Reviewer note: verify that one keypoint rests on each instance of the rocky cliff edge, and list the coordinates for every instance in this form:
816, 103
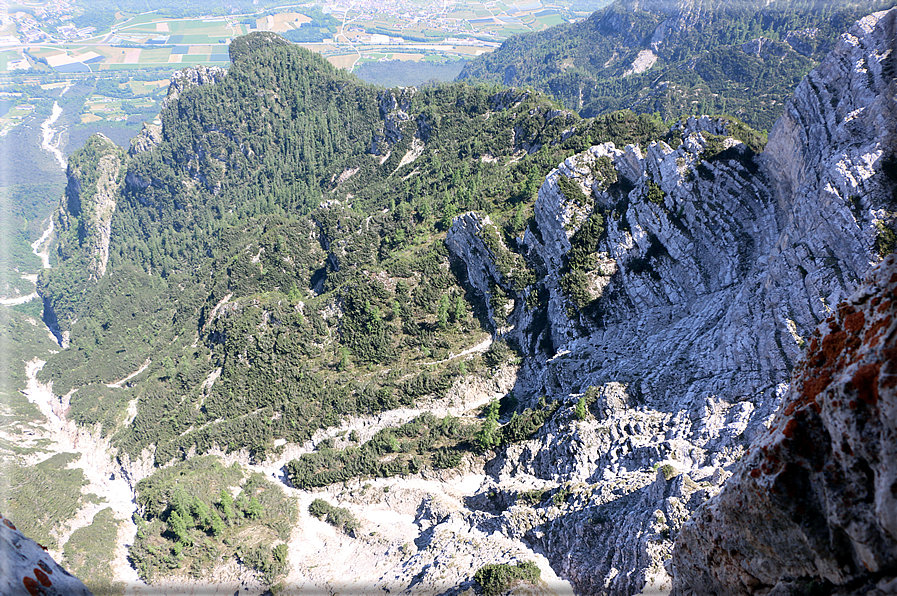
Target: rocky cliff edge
673, 289
27, 570
813, 504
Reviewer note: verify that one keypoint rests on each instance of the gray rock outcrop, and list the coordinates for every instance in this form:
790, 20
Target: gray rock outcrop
679, 314
149, 137
91, 199
187, 78
27, 570
813, 504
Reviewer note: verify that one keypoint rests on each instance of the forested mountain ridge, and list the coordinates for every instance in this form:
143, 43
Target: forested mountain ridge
270, 263
308, 293
330, 184
741, 58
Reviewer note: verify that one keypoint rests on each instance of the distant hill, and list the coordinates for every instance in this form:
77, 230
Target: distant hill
687, 57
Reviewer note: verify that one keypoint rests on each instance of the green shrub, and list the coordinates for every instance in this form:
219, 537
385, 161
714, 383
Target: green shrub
437, 440
495, 579
523, 426
487, 436
533, 497
90, 551
188, 520
497, 354
885, 240
584, 242
608, 173
270, 563
572, 191
669, 471
581, 409
576, 288
338, 517
655, 193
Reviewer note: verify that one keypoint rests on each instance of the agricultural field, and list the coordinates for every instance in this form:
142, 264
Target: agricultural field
340, 31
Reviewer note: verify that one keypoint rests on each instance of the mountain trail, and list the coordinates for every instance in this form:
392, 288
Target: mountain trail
120, 383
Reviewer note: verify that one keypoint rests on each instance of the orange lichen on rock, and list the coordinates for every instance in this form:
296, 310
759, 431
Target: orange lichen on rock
865, 380
815, 385
855, 322
27, 569
833, 345
42, 577
32, 586
789, 428
822, 470
872, 334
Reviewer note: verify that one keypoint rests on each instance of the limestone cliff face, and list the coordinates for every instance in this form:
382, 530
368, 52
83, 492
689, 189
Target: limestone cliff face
814, 501
83, 221
93, 184
27, 570
684, 317
149, 137
191, 77
394, 108
478, 240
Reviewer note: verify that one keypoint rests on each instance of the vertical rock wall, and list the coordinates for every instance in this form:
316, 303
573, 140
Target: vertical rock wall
713, 270
813, 504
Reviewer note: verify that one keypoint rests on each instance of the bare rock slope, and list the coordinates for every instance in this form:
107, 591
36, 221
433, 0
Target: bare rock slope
681, 286
813, 505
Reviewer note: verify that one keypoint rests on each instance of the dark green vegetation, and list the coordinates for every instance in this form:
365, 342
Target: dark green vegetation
198, 514
277, 236
426, 441
24, 210
89, 553
338, 517
702, 65
495, 579
30, 184
277, 263
23, 337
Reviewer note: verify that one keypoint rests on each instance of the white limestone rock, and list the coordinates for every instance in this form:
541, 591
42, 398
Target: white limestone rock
194, 76
714, 287
813, 502
27, 570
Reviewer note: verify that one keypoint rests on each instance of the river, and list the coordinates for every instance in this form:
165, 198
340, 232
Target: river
50, 138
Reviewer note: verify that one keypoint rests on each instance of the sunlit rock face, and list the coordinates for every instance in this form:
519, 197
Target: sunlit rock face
27, 570
814, 501
697, 300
